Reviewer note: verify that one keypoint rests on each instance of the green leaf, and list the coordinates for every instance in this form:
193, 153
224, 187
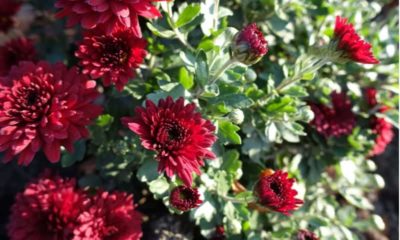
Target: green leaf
185, 78
148, 171
228, 131
223, 184
231, 161
355, 197
68, 159
233, 100
245, 196
201, 67
160, 31
278, 104
159, 187
188, 15
104, 120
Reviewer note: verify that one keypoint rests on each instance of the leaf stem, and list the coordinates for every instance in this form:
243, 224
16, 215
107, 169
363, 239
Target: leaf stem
178, 34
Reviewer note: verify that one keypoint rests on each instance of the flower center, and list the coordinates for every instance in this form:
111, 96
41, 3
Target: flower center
171, 135
115, 52
30, 102
276, 187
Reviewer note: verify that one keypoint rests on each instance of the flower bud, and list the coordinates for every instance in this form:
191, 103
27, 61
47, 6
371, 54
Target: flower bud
185, 198
249, 45
306, 235
236, 116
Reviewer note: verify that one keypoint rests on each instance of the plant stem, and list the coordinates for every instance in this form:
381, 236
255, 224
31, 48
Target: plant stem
220, 71
216, 10
178, 34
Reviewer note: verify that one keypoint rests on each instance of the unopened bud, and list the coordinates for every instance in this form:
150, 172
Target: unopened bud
236, 116
249, 45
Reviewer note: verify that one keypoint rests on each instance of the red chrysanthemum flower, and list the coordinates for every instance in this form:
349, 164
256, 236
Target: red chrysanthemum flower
110, 216
380, 127
335, 121
46, 210
107, 15
44, 107
15, 51
112, 57
275, 191
249, 45
219, 233
180, 136
7, 11
350, 43
184, 198
306, 235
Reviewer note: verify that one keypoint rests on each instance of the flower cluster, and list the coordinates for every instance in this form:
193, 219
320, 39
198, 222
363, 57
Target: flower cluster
335, 121
179, 135
380, 127
53, 208
274, 190
44, 106
349, 43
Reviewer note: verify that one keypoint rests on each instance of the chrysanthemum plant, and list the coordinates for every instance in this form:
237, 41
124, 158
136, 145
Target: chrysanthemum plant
258, 118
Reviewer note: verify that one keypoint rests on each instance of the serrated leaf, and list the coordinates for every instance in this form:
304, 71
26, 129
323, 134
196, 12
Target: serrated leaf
228, 131
233, 100
159, 187
188, 15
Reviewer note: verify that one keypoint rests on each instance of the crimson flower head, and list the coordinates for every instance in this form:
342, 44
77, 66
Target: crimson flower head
380, 127
46, 210
350, 43
219, 233
112, 57
110, 216
306, 235
15, 51
44, 107
185, 198
7, 11
249, 45
275, 191
335, 121
107, 15
179, 135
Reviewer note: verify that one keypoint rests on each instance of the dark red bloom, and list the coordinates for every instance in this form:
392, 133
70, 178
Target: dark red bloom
219, 233
249, 45
380, 127
46, 210
180, 136
112, 57
107, 15
276, 192
110, 216
335, 121
45, 107
15, 51
184, 198
350, 43
306, 235
7, 11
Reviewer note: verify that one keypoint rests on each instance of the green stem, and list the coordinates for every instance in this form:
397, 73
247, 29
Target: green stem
218, 74
216, 10
178, 34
